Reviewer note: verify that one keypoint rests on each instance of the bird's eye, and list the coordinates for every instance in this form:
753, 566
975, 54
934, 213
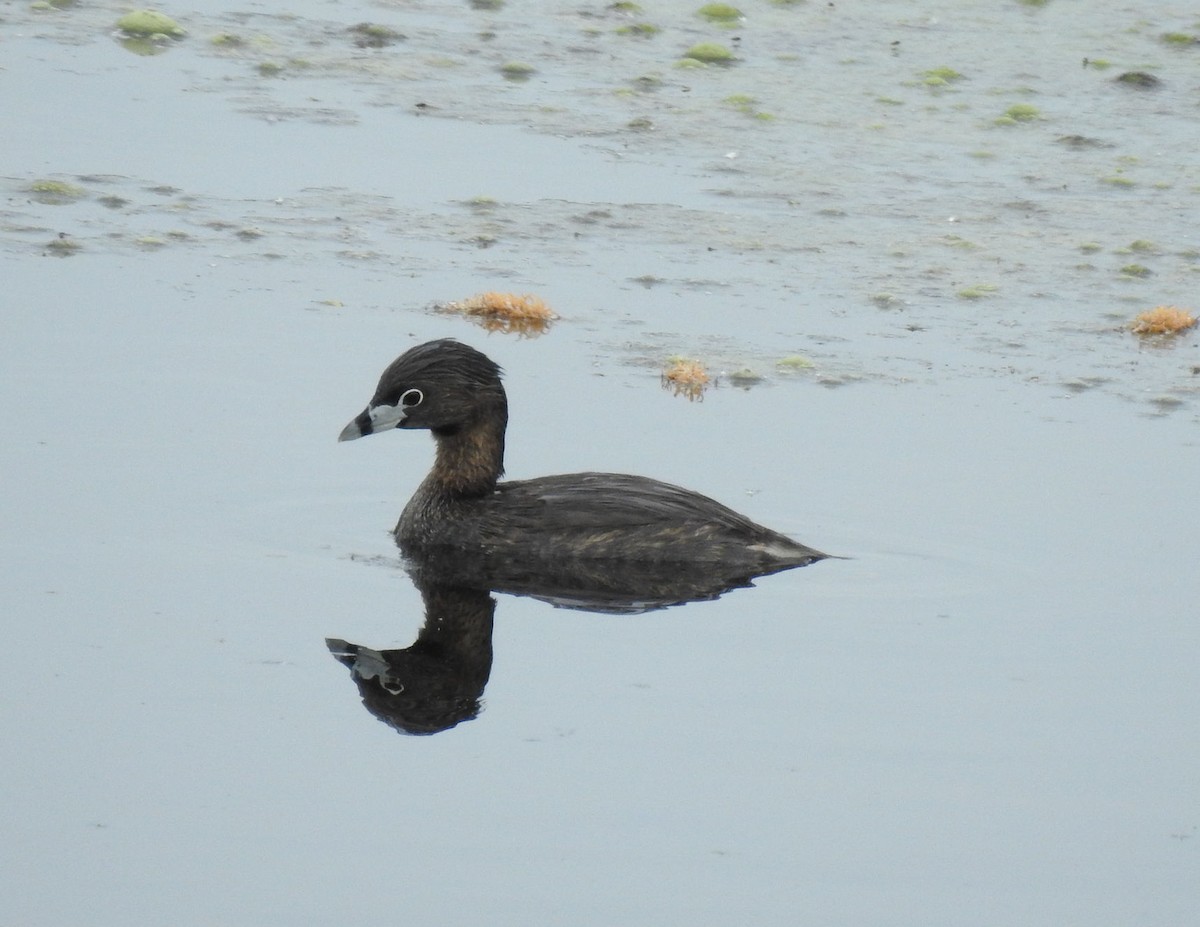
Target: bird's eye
411, 397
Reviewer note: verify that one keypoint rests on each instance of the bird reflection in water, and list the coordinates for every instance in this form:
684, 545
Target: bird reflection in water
438, 681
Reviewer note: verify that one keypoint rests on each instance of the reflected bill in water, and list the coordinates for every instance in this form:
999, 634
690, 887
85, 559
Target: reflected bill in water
437, 682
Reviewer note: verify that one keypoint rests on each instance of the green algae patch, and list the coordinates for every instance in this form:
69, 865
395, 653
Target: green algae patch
709, 53
1136, 270
746, 104
940, 77
517, 70
374, 35
639, 30
745, 378
719, 13
145, 24
482, 203
1019, 112
63, 245
56, 192
979, 291
1180, 39
794, 363
273, 68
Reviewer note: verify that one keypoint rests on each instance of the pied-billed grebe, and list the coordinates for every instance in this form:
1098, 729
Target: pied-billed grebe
455, 392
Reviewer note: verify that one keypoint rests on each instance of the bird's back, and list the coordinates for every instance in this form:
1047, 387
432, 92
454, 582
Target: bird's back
598, 515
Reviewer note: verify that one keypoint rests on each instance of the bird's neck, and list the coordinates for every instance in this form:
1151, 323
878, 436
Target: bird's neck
470, 459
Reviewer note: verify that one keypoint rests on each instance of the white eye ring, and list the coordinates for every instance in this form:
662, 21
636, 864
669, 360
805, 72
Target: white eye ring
411, 397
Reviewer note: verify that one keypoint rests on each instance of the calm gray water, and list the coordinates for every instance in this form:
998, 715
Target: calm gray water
987, 716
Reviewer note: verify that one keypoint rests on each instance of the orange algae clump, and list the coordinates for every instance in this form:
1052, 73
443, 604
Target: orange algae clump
506, 312
1163, 320
686, 378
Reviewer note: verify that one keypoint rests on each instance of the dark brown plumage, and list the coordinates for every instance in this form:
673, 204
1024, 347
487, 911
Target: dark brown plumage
455, 392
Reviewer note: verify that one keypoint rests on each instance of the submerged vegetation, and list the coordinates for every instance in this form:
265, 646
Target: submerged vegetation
978, 291
374, 35
1139, 79
517, 70
726, 109
63, 245
641, 30
1181, 39
744, 103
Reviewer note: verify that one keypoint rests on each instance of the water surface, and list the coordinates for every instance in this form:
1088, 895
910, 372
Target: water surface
986, 715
